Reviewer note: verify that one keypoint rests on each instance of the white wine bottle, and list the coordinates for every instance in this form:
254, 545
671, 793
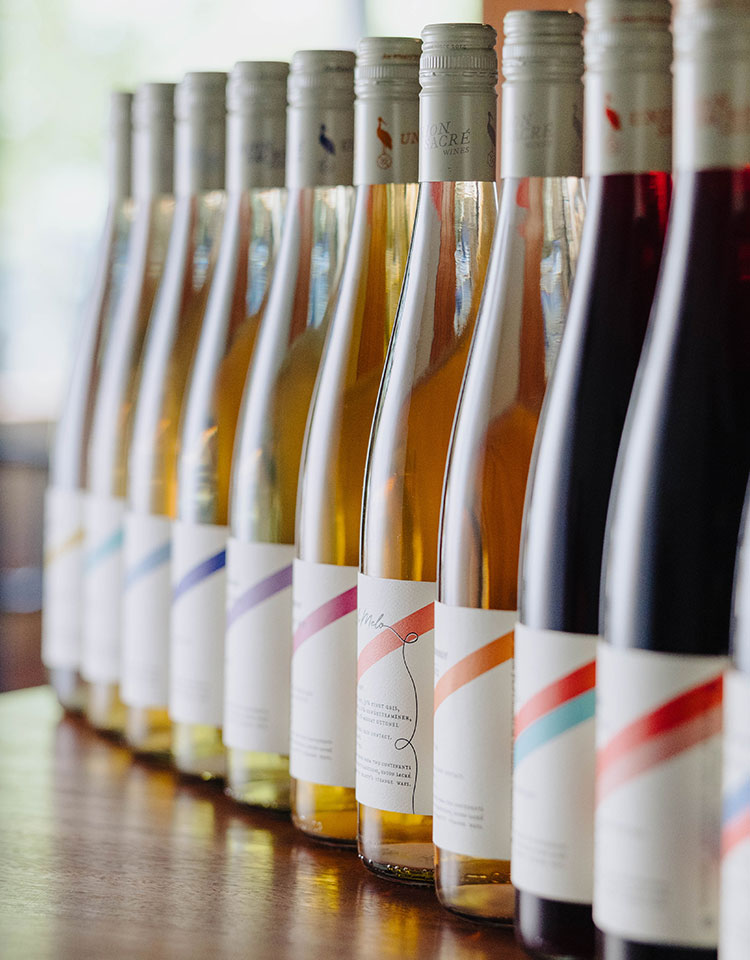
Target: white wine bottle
518, 332
63, 507
268, 445
445, 272
329, 506
104, 507
256, 101
173, 333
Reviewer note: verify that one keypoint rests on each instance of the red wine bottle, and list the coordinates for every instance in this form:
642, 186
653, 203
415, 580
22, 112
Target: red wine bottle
628, 114
673, 526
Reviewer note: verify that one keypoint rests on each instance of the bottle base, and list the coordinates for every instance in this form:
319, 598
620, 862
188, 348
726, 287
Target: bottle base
389, 869
324, 813
475, 889
104, 709
69, 687
197, 751
258, 779
615, 948
320, 832
148, 733
554, 930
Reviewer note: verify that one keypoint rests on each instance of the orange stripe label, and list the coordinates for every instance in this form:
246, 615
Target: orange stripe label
474, 665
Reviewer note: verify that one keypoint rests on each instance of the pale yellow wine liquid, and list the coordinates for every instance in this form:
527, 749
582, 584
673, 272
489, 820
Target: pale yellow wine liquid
439, 304
495, 430
330, 507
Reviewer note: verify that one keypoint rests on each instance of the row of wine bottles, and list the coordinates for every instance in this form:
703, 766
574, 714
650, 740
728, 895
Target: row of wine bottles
302, 531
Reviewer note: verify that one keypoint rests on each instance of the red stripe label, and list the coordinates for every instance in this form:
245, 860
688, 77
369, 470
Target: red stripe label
406, 630
549, 698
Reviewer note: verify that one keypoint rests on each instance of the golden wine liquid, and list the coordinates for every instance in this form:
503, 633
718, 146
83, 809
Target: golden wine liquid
235, 309
439, 303
115, 401
533, 261
170, 348
269, 439
330, 504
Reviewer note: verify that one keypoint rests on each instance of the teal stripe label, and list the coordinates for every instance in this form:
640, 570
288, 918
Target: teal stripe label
559, 721
148, 564
105, 549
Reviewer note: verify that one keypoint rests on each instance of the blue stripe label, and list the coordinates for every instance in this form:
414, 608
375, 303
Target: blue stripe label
553, 724
736, 803
105, 549
148, 564
193, 577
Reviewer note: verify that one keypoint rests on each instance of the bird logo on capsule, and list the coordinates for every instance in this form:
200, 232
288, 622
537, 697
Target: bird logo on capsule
384, 158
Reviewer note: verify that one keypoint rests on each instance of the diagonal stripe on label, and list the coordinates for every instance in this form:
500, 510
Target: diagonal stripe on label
195, 576
259, 592
565, 717
103, 550
676, 726
392, 638
152, 561
74, 540
554, 695
491, 655
328, 613
735, 818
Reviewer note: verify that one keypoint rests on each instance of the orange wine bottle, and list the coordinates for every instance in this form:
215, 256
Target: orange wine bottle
269, 438
442, 286
329, 506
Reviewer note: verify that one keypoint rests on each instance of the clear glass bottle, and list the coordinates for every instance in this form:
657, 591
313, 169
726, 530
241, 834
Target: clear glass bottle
174, 329
256, 101
518, 332
63, 508
104, 507
329, 505
445, 272
672, 528
628, 111
268, 444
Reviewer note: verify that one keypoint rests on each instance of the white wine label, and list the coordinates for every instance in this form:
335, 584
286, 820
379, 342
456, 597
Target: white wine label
199, 583
473, 731
735, 838
324, 670
658, 789
63, 578
457, 136
146, 608
553, 783
386, 141
395, 670
542, 130
628, 122
319, 147
102, 588
258, 646
712, 102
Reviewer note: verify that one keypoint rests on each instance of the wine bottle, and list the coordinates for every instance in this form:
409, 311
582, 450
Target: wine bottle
448, 256
104, 503
628, 117
63, 501
513, 351
255, 146
673, 526
329, 505
268, 443
734, 919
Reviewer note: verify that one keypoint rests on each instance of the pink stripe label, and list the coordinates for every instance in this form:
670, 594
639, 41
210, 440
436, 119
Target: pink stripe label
325, 615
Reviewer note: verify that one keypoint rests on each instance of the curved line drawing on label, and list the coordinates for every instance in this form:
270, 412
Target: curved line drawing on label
148, 564
74, 540
258, 592
401, 743
334, 609
419, 622
105, 549
193, 577
491, 655
684, 722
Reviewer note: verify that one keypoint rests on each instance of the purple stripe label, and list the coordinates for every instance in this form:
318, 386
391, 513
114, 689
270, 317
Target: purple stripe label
328, 613
259, 592
195, 576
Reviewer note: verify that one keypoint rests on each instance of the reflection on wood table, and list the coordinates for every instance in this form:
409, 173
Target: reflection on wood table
105, 857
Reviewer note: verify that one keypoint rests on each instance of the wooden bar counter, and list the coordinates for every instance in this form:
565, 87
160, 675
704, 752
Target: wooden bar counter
106, 857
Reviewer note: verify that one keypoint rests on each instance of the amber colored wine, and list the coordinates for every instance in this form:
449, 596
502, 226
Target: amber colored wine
440, 297
329, 505
270, 432
513, 352
104, 507
63, 511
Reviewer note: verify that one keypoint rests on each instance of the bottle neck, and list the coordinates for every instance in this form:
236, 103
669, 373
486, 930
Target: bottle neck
119, 161
153, 158
458, 139
542, 129
712, 112
256, 149
320, 145
200, 152
386, 140
628, 121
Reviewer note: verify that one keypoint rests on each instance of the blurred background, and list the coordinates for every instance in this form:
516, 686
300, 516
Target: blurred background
58, 61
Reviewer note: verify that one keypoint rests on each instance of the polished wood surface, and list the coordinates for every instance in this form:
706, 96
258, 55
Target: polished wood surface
105, 857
